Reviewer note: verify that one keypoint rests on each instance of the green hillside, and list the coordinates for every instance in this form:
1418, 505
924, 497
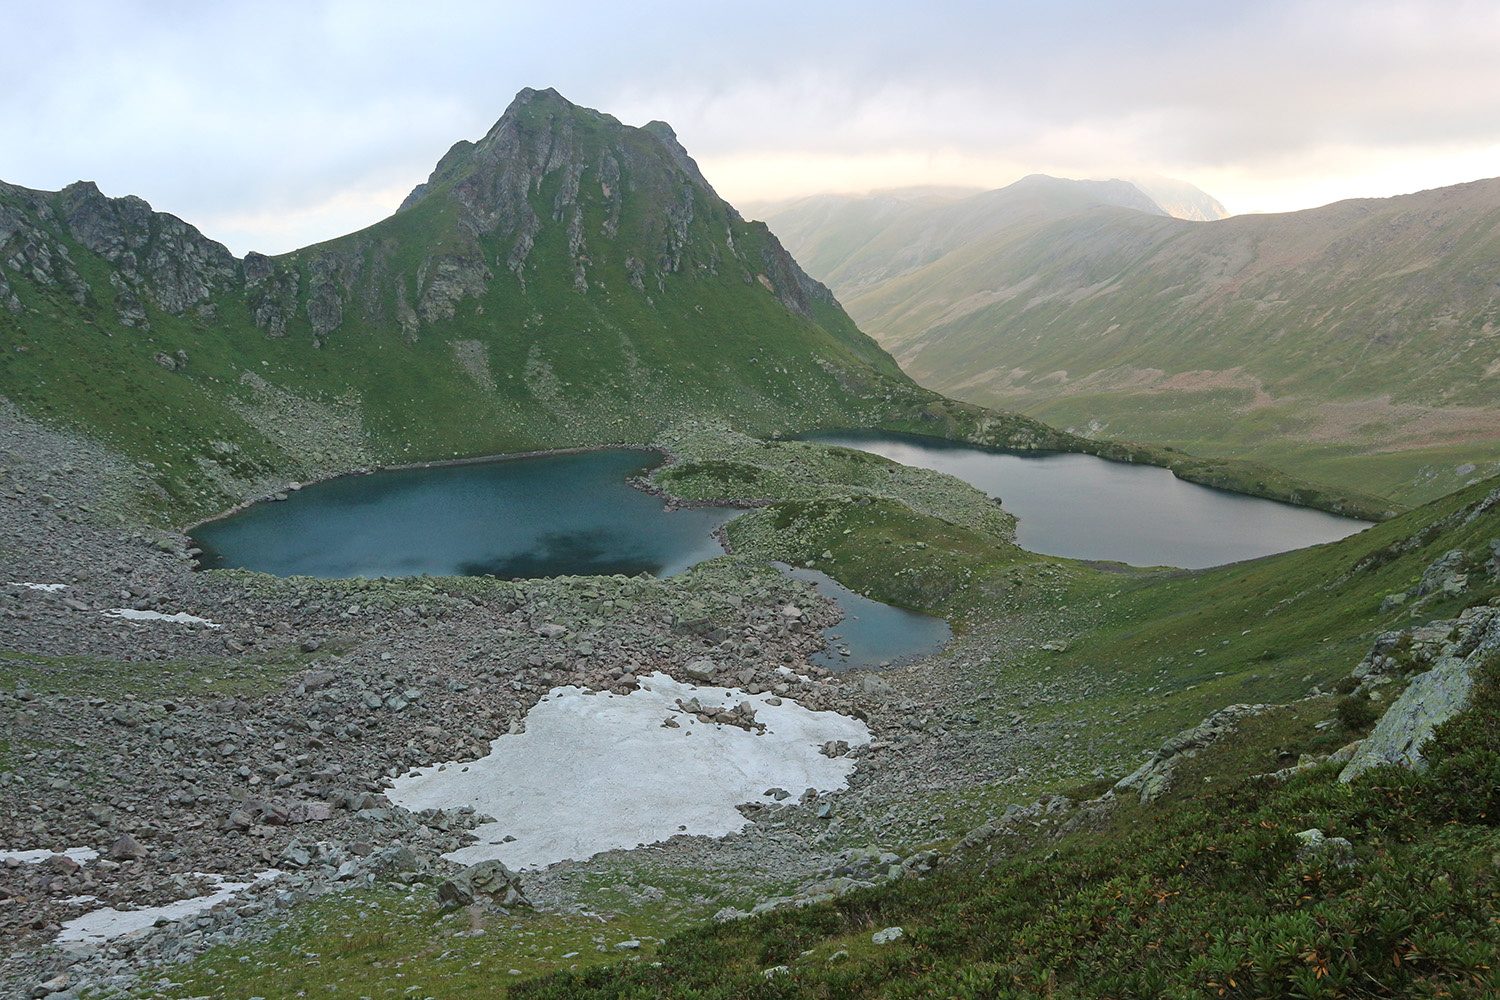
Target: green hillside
1352, 344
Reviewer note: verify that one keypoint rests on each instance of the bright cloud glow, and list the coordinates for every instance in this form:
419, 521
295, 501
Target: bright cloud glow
282, 123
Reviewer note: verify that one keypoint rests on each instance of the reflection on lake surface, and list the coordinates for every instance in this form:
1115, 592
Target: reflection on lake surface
1084, 507
871, 634
549, 515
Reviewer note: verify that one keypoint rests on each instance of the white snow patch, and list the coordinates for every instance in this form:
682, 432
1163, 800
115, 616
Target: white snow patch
596, 773
82, 855
181, 617
50, 588
108, 924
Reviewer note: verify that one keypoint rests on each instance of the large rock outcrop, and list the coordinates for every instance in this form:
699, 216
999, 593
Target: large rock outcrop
152, 256
1153, 779
1434, 696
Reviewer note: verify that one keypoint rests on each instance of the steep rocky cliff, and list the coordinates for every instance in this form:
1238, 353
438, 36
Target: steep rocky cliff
149, 254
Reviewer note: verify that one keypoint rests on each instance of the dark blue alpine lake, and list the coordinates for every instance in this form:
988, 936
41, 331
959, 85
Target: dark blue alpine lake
549, 515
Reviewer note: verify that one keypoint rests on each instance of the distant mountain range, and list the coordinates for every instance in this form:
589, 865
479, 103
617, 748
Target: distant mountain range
1354, 343
858, 242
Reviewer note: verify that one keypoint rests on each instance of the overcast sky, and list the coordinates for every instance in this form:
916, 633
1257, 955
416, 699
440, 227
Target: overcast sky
271, 125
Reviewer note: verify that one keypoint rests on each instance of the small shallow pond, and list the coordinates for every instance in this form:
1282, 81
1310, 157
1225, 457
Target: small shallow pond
871, 634
1084, 507
550, 515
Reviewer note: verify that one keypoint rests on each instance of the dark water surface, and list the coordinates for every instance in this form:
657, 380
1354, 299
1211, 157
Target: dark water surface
550, 515
574, 514
871, 634
1084, 507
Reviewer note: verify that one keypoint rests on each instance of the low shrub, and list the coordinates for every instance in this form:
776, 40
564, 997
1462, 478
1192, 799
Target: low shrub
1357, 713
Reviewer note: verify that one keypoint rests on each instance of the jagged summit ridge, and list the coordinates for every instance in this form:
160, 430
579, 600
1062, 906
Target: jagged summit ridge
491, 209
520, 144
546, 165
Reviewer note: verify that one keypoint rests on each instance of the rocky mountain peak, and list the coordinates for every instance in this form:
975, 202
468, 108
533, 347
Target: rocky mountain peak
562, 241
618, 194
153, 252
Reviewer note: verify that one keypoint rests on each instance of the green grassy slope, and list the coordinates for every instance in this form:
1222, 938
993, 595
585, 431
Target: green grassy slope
1207, 896
1354, 343
1266, 630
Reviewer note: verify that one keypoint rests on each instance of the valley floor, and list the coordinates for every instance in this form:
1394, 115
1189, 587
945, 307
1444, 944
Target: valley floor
263, 732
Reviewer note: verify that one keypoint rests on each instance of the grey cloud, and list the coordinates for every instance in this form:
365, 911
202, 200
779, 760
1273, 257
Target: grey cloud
230, 110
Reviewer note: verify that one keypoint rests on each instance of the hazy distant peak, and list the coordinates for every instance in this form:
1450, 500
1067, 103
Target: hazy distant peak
915, 194
1181, 199
1123, 194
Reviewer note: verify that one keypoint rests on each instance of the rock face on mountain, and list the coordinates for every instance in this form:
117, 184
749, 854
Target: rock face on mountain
149, 254
565, 280
1353, 343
